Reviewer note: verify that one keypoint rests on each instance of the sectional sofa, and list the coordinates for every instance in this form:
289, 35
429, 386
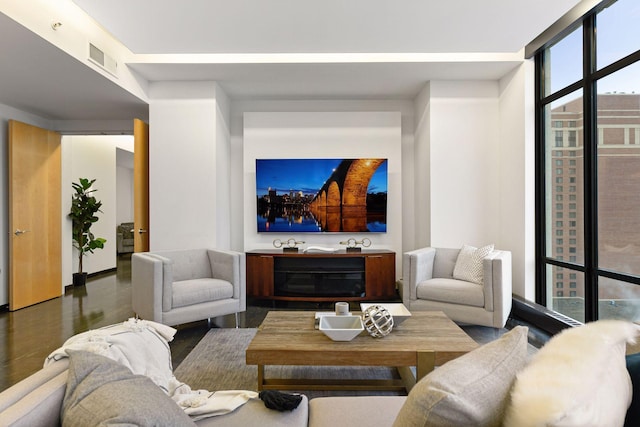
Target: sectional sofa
580, 377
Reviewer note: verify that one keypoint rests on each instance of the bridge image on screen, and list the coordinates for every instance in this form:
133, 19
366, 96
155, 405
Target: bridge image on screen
321, 195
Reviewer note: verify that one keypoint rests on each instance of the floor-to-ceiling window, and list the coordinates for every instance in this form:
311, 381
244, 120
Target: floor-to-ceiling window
588, 166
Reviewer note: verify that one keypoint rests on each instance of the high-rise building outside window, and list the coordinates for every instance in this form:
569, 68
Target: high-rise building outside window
559, 135
588, 102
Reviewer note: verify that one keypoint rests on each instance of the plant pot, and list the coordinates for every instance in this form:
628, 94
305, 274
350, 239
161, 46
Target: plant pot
79, 279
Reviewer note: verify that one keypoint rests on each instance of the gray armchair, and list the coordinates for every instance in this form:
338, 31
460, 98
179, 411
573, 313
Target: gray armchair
174, 287
428, 284
124, 238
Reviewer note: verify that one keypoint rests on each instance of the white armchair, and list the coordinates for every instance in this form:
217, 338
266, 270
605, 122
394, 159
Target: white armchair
428, 284
174, 287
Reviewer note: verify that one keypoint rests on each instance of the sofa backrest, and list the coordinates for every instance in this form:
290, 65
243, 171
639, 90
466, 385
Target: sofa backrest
37, 400
188, 264
444, 262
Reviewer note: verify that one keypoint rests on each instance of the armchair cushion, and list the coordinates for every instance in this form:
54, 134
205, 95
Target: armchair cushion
469, 263
196, 291
223, 266
190, 264
451, 290
443, 262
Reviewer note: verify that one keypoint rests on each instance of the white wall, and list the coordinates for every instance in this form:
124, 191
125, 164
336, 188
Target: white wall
329, 135
420, 158
446, 171
92, 157
464, 163
238, 110
223, 170
474, 168
124, 180
466, 138
124, 195
188, 200
517, 153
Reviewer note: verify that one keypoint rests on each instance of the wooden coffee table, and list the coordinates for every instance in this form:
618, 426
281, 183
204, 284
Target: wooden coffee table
425, 340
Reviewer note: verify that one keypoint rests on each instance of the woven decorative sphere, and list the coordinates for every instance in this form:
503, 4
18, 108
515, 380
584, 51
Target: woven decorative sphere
377, 321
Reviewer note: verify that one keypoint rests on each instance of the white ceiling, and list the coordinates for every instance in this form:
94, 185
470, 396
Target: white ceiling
39, 78
290, 49
327, 26
378, 80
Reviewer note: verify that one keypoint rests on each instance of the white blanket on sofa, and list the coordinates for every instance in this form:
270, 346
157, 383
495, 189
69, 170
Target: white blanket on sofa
143, 347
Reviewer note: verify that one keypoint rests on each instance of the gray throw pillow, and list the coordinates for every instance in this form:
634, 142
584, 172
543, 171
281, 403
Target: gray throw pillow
102, 392
472, 390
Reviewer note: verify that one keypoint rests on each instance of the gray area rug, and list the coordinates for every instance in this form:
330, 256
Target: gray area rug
218, 363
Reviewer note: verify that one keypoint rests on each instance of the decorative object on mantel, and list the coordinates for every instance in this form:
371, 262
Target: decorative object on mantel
291, 244
319, 250
377, 321
352, 244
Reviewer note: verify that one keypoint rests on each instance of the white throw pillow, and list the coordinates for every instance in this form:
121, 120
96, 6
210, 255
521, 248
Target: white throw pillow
579, 378
469, 263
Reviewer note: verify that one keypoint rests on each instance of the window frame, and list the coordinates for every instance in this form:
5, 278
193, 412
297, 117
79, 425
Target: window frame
587, 84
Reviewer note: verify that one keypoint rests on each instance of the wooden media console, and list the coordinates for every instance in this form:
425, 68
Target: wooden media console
348, 276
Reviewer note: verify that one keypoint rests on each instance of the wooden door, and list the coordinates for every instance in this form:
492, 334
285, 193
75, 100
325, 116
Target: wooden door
35, 218
140, 186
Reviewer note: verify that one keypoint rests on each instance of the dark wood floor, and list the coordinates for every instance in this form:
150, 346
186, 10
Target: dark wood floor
29, 335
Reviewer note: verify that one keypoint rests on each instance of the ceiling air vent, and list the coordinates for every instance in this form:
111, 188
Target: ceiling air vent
98, 57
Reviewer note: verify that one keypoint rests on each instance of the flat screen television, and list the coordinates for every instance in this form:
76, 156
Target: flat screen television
321, 195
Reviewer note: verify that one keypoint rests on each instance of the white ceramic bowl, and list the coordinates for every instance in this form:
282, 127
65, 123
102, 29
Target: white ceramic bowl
397, 310
341, 328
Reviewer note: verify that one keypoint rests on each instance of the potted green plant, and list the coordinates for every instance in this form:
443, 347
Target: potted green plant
84, 207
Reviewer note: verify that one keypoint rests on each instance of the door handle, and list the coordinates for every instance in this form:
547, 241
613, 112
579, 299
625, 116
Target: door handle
19, 232
141, 230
